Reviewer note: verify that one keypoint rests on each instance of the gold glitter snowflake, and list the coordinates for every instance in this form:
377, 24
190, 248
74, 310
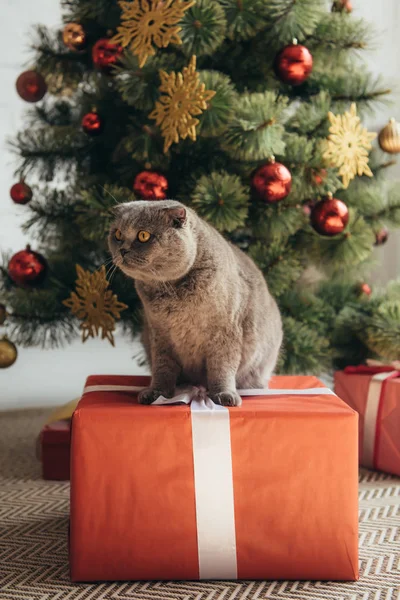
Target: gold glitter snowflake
96, 306
185, 96
348, 144
149, 23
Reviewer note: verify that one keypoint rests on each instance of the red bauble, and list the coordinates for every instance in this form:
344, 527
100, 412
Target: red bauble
149, 185
92, 123
294, 64
105, 54
329, 216
318, 176
27, 268
382, 236
342, 6
31, 86
21, 193
365, 289
272, 181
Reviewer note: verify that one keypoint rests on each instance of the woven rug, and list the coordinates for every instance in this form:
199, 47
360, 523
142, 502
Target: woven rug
33, 539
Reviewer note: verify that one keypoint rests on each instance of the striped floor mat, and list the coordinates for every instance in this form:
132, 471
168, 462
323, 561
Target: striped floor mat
33, 539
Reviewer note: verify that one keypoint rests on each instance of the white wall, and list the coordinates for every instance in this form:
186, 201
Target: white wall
53, 377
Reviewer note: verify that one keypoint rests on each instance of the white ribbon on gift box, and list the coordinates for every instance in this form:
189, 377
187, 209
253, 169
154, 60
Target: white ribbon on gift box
213, 478
374, 401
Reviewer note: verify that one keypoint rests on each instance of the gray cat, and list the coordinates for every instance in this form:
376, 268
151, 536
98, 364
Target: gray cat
209, 317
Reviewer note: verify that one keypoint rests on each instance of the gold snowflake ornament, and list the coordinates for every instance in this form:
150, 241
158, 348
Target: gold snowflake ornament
184, 96
348, 144
94, 304
149, 23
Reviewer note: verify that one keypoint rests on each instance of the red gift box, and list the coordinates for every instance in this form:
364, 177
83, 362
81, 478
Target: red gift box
267, 490
54, 450
374, 392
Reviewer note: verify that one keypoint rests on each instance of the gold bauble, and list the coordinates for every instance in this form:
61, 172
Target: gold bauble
389, 137
8, 353
74, 36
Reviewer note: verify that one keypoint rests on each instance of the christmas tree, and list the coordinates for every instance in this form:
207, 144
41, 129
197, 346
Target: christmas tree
247, 111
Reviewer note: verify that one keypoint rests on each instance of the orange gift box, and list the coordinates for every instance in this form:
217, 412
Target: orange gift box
374, 392
267, 490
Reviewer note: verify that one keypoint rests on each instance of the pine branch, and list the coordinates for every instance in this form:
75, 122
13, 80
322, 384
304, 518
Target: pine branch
255, 132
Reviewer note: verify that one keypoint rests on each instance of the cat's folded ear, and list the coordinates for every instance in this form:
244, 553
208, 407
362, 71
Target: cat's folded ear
176, 215
116, 210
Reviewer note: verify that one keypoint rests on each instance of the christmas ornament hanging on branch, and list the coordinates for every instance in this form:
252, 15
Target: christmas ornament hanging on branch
293, 64
184, 96
329, 217
149, 185
148, 24
8, 353
105, 54
382, 236
95, 305
364, 289
389, 137
27, 268
21, 193
92, 123
31, 86
74, 36
272, 182
318, 176
348, 144
342, 6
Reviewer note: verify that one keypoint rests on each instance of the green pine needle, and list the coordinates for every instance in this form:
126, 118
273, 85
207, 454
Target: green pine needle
214, 120
203, 28
222, 200
244, 18
255, 132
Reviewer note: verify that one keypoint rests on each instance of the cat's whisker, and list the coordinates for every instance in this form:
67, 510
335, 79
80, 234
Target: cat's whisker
112, 274
110, 268
109, 193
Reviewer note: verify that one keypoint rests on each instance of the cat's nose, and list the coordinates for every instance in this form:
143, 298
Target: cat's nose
123, 251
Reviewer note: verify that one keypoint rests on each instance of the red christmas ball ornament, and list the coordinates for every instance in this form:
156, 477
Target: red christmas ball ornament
149, 185
294, 64
92, 123
27, 268
365, 289
342, 6
31, 86
105, 54
382, 236
318, 176
272, 181
329, 216
21, 193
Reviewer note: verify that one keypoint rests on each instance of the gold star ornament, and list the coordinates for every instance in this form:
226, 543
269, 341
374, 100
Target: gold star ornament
149, 23
348, 144
184, 97
94, 304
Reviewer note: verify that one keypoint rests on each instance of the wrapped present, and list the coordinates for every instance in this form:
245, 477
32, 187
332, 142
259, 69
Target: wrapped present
374, 392
54, 449
193, 490
53, 443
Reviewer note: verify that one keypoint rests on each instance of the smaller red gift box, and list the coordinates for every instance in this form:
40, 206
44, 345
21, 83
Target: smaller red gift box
374, 392
54, 450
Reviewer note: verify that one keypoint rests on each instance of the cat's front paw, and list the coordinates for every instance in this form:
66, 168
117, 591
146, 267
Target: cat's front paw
230, 398
149, 395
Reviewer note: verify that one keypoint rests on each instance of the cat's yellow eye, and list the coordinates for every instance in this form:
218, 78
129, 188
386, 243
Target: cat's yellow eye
118, 235
143, 236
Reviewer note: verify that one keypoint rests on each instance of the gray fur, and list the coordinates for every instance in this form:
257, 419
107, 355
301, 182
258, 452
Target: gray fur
209, 317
